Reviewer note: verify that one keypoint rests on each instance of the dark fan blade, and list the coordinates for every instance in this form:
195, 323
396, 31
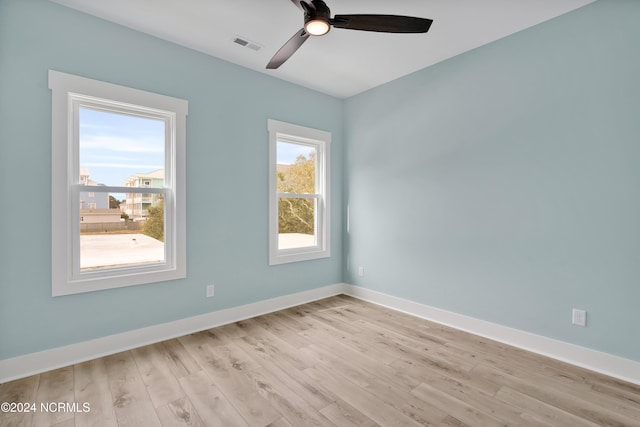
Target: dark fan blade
382, 23
288, 49
300, 6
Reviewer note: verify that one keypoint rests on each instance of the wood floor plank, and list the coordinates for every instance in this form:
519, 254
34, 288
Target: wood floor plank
226, 371
292, 407
326, 331
344, 415
401, 346
54, 387
461, 410
401, 323
273, 365
233, 330
388, 387
91, 385
70, 422
326, 303
280, 328
495, 408
282, 422
182, 363
336, 318
179, 413
274, 388
131, 401
19, 391
450, 421
297, 316
590, 397
337, 361
209, 402
273, 346
161, 383
535, 410
289, 321
625, 394
365, 402
359, 367
422, 369
545, 392
632, 391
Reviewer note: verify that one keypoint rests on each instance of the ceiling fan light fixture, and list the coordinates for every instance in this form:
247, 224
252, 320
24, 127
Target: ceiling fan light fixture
317, 26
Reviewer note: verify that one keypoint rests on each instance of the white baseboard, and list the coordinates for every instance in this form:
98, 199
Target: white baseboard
35, 363
613, 366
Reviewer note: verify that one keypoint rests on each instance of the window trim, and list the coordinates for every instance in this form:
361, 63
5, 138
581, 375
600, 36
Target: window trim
321, 140
68, 94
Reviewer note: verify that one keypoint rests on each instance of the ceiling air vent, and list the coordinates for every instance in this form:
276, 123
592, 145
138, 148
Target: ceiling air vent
242, 41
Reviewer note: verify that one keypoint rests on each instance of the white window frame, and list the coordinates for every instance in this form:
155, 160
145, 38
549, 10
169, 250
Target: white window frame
321, 141
69, 94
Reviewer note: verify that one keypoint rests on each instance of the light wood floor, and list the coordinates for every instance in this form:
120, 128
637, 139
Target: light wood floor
338, 361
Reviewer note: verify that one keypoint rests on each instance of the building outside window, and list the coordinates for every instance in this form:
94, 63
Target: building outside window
137, 205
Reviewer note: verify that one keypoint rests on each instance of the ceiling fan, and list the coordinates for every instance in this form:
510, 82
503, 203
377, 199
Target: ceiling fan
318, 22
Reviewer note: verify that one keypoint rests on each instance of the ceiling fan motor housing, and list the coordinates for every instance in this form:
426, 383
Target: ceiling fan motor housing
319, 12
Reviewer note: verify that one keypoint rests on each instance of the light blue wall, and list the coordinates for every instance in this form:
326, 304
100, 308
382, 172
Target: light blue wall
503, 183
226, 177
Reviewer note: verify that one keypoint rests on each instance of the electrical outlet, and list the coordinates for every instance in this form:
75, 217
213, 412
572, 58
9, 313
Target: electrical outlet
210, 291
361, 271
579, 317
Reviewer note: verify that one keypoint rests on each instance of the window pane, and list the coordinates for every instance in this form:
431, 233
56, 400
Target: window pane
109, 240
296, 222
296, 168
115, 149
299, 220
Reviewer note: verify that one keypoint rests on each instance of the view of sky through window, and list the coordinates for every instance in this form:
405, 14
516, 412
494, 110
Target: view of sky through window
288, 152
115, 146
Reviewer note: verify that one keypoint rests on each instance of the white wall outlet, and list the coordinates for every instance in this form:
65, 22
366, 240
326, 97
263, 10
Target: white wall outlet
579, 317
210, 291
361, 271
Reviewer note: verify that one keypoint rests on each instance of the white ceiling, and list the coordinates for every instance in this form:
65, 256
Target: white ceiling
342, 63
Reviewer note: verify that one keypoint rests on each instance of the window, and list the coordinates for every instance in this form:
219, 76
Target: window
298, 193
107, 230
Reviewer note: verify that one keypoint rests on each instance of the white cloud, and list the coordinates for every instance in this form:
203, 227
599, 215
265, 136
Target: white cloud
121, 144
121, 166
